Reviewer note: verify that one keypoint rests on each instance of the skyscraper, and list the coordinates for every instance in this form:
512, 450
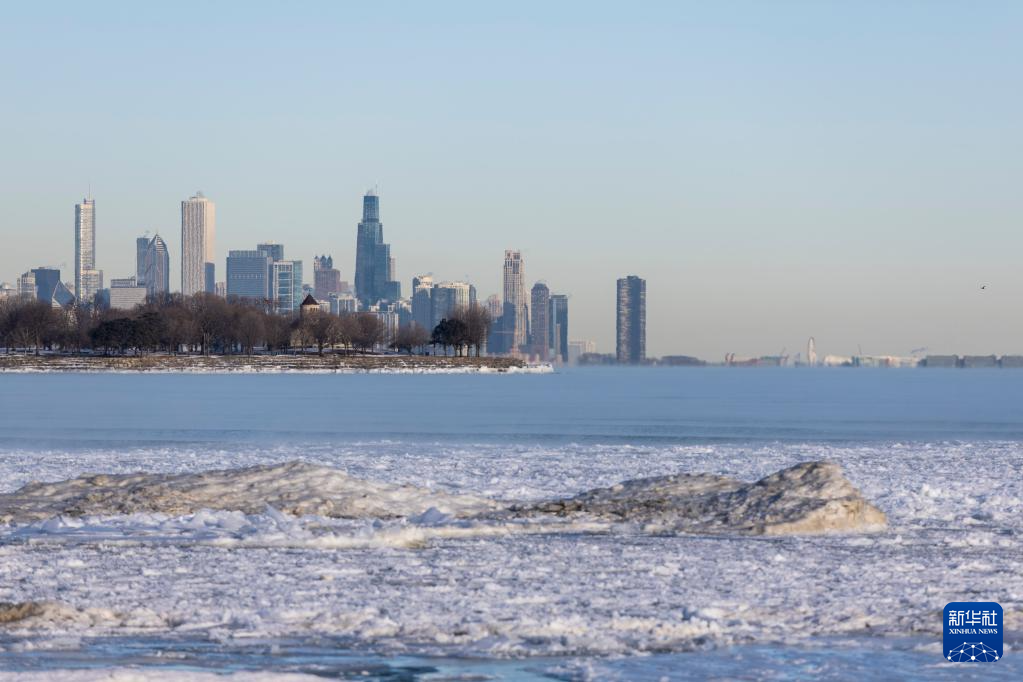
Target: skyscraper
88, 280
374, 267
326, 278
249, 274
494, 307
273, 250
141, 246
631, 325
422, 308
559, 327
198, 235
540, 298
27, 285
447, 297
515, 300
156, 267
47, 281
286, 285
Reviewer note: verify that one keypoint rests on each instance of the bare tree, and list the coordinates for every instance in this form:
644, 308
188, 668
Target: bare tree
278, 332
35, 325
321, 328
210, 313
369, 331
347, 330
409, 337
251, 329
477, 325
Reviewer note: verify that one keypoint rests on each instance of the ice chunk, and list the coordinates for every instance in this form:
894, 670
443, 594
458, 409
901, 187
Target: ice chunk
296, 488
812, 497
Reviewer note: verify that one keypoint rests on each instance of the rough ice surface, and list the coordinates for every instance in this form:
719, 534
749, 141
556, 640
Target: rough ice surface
430, 582
811, 497
297, 488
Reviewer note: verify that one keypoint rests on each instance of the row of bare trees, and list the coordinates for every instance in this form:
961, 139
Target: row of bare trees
206, 324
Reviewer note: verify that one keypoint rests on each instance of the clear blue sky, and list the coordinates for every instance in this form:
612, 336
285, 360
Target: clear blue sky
773, 169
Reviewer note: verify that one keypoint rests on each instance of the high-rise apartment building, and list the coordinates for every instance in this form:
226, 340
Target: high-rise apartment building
493, 307
447, 297
88, 280
559, 327
374, 267
198, 238
422, 306
286, 285
141, 246
27, 285
326, 278
540, 298
156, 267
515, 307
631, 324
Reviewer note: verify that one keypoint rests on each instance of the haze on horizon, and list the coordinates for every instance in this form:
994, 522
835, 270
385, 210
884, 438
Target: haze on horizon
773, 170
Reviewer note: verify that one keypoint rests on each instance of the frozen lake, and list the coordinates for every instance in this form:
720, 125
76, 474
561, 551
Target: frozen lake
939, 451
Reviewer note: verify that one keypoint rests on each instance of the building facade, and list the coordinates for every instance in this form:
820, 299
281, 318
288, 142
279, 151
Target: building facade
27, 285
286, 286
422, 302
156, 267
447, 297
558, 327
516, 310
540, 337
198, 238
326, 278
631, 320
126, 293
249, 274
88, 280
374, 267
47, 281
272, 249
141, 247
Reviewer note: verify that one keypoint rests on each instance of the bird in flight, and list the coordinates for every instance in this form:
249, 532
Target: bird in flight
983, 286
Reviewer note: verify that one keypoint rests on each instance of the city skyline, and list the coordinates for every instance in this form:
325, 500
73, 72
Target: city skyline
854, 189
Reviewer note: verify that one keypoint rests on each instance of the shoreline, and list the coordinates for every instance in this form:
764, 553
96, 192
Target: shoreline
267, 364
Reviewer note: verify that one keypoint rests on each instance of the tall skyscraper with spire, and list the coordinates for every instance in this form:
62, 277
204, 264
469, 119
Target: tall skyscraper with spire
88, 280
374, 267
198, 238
516, 310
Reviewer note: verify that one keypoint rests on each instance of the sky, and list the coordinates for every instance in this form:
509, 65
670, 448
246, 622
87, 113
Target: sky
775, 171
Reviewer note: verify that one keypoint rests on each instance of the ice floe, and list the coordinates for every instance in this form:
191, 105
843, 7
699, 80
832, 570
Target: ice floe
298, 488
811, 497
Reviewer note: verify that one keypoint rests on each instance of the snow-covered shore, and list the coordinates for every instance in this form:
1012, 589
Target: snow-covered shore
270, 364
